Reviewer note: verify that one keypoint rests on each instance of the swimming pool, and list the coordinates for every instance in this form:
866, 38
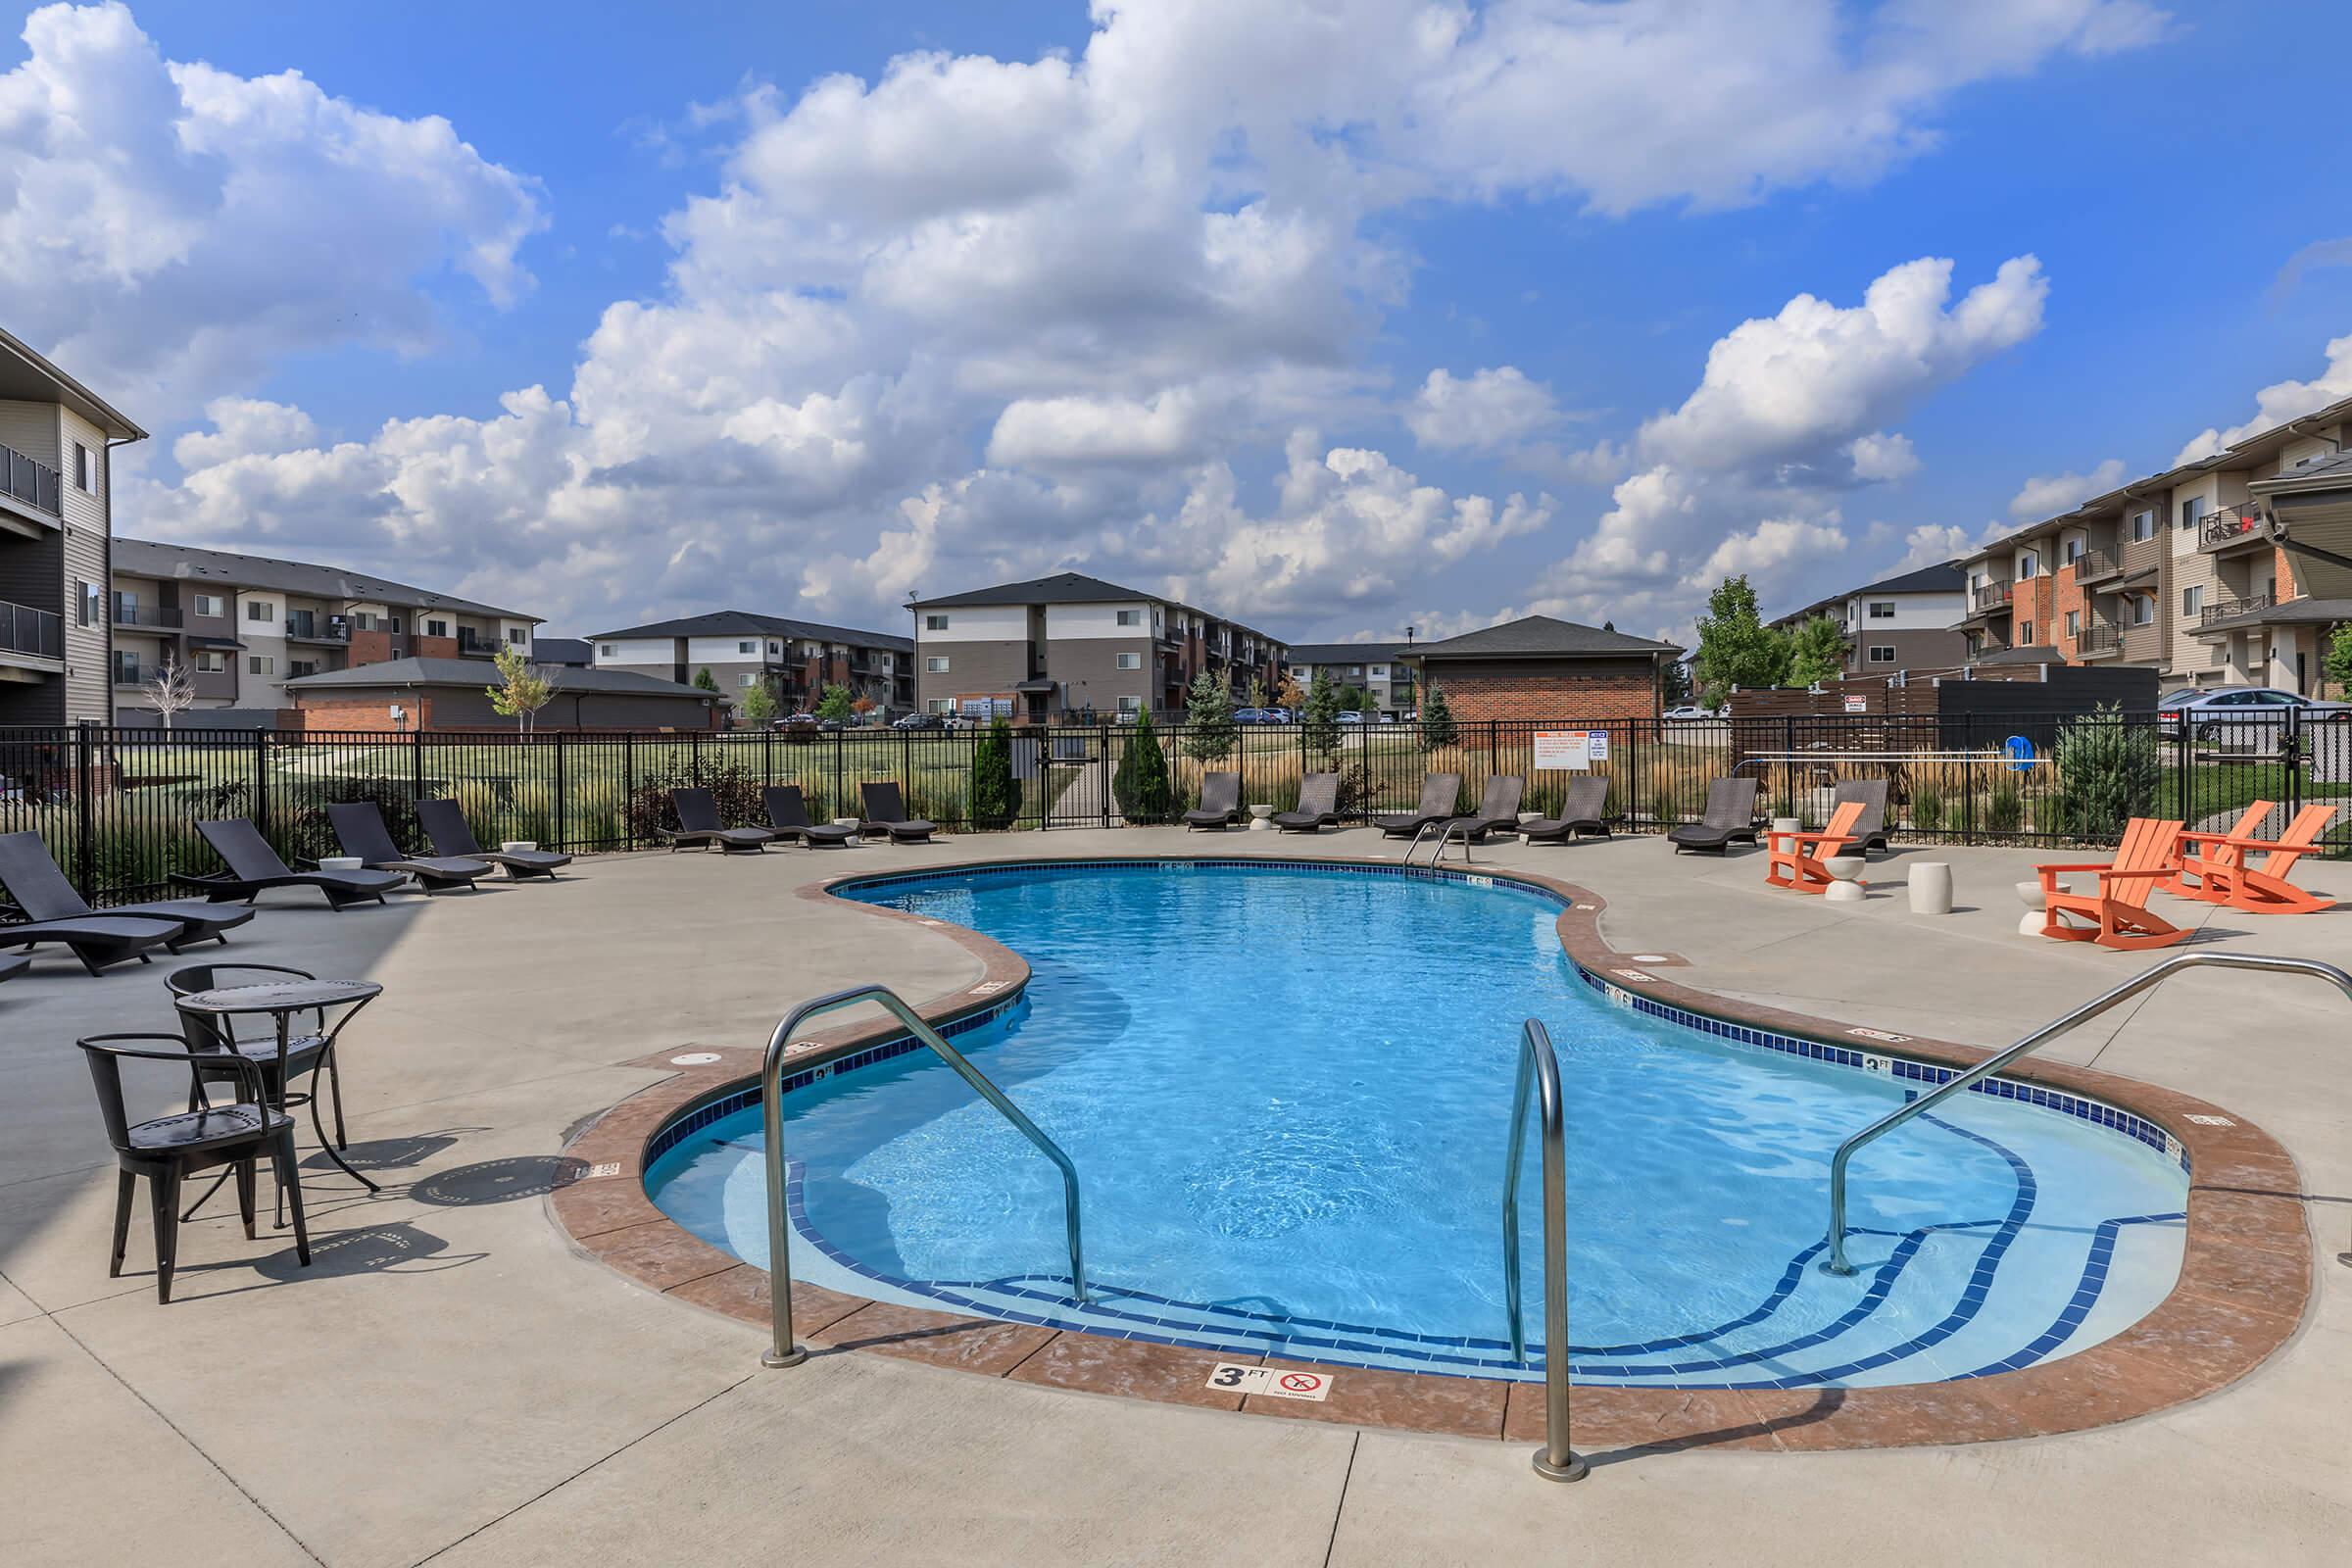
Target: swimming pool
1285, 1089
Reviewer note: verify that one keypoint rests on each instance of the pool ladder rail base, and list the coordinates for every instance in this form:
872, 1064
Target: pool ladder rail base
782, 1351
2147, 979
1447, 833
1540, 1069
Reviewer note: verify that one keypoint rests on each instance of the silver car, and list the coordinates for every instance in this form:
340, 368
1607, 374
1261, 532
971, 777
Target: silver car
2231, 713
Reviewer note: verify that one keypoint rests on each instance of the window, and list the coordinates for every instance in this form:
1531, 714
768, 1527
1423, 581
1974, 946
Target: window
1131, 661
1881, 652
2192, 510
941, 705
211, 661
89, 605
935, 665
2074, 625
1881, 610
210, 605
1131, 704
2143, 609
518, 636
360, 620
260, 609
747, 680
394, 623
1380, 672
2192, 602
2143, 525
296, 668
1131, 617
2072, 551
2025, 633
2029, 564
260, 665
747, 648
935, 624
85, 472
604, 650
436, 628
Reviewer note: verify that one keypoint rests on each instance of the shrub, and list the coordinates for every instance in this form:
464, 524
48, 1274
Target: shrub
730, 785
1438, 727
2004, 807
1141, 785
1319, 726
1663, 808
2108, 771
1210, 732
1927, 809
995, 792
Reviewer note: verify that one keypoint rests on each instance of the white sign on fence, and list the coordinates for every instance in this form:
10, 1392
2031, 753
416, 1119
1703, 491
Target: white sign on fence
1569, 749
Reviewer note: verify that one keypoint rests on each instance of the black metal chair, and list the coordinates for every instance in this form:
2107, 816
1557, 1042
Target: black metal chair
214, 1040
168, 1148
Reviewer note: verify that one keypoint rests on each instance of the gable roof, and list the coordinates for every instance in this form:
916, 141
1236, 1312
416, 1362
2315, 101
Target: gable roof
27, 375
744, 623
477, 673
562, 651
1542, 637
1944, 577
148, 558
1069, 588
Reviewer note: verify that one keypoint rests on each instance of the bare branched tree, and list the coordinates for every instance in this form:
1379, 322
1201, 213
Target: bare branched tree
171, 690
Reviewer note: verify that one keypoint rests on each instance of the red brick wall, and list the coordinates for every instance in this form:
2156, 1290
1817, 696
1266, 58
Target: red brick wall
2065, 593
2035, 604
433, 647
372, 715
1591, 688
370, 647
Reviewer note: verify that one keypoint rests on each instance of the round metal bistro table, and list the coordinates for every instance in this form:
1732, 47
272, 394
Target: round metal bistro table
280, 1001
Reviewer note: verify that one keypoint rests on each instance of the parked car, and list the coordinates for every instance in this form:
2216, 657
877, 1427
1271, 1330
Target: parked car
1350, 717
2230, 712
1249, 715
796, 721
1691, 713
919, 722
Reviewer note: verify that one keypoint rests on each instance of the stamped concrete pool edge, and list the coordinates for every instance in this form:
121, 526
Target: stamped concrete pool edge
2243, 1288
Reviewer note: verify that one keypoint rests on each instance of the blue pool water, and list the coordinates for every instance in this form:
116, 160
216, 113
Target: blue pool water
1286, 1093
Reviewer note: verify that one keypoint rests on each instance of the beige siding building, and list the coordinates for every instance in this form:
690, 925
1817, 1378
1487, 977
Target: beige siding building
795, 660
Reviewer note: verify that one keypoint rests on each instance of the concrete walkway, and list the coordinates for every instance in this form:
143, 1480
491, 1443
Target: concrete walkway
451, 1381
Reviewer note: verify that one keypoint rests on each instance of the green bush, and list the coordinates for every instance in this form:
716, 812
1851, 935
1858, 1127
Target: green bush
1927, 809
2004, 807
2108, 772
1663, 807
1438, 727
995, 792
1141, 785
1210, 733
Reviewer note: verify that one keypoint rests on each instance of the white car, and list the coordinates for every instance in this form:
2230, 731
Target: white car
2230, 712
1689, 713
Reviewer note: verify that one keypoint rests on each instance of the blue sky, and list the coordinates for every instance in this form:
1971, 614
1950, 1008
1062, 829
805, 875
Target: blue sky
1159, 292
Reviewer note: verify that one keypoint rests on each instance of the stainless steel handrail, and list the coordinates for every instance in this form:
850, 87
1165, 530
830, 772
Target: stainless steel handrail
1555, 1460
783, 1352
2163, 969
1445, 830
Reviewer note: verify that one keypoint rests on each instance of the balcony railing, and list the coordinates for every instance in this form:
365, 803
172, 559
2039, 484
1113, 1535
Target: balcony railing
34, 632
130, 672
474, 645
2101, 562
305, 629
2232, 609
32, 481
2230, 525
154, 617
2099, 638
1993, 595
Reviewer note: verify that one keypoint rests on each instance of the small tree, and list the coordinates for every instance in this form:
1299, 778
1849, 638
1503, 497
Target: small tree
703, 680
864, 706
1437, 720
2108, 771
1817, 653
2336, 663
1674, 683
522, 691
836, 703
1320, 724
759, 705
1257, 691
1141, 784
1734, 646
1210, 732
995, 792
1288, 695
171, 690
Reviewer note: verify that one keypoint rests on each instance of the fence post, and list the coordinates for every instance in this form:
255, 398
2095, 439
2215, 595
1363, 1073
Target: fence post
694, 757
563, 799
628, 788
1102, 795
841, 800
85, 827
416, 764
1968, 778
260, 782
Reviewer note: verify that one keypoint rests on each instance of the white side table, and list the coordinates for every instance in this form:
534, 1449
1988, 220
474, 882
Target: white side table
1846, 888
1932, 888
2031, 923
341, 862
1787, 824
519, 846
1261, 819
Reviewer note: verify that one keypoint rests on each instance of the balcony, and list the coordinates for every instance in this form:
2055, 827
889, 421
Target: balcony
32, 482
131, 615
2097, 640
2220, 613
1991, 597
129, 671
2093, 564
305, 629
474, 645
31, 633
2230, 526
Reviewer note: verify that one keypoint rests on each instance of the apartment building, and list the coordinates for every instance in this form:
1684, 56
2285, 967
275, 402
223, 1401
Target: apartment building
1070, 645
1375, 667
2183, 571
797, 658
1904, 623
57, 442
244, 625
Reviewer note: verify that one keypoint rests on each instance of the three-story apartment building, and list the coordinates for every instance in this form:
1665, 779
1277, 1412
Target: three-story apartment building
797, 658
1904, 623
2178, 571
1073, 646
57, 440
244, 625
1375, 667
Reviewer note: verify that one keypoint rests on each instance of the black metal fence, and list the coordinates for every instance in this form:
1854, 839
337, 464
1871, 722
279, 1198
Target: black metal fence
117, 806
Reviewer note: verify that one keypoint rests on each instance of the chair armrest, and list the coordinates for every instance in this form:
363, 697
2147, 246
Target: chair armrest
2109, 873
2101, 866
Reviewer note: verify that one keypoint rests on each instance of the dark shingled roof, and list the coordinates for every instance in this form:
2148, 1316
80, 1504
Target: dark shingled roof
1943, 578
2031, 654
744, 623
1540, 637
1342, 653
1069, 588
479, 673
562, 651
145, 557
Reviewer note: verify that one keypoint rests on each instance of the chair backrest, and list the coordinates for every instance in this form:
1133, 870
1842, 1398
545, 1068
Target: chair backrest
446, 825
1221, 792
2149, 845
2302, 835
1839, 832
33, 882
1872, 793
786, 806
697, 809
1319, 793
883, 803
1731, 803
1438, 794
106, 1054
1500, 801
1585, 799
359, 829
240, 845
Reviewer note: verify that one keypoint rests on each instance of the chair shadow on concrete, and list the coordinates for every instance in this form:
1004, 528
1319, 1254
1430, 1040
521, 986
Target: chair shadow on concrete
393, 1153
498, 1181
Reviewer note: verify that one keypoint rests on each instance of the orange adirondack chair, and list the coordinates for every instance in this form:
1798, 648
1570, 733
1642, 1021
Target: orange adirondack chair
2117, 911
2202, 854
2264, 889
1803, 855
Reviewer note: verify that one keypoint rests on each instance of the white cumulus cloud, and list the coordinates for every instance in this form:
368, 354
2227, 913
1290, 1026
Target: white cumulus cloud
2045, 494
2280, 402
1486, 411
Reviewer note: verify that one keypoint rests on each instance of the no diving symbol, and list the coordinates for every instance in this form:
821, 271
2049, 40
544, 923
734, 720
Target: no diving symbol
1238, 1377
1302, 1383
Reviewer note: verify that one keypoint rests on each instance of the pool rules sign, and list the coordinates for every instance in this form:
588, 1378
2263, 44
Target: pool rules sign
1270, 1382
1572, 750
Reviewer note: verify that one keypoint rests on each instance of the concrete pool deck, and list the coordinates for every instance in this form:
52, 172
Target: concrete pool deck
454, 1381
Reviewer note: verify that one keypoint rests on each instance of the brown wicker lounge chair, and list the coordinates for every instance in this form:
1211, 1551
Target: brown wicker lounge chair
1439, 793
1220, 801
1584, 813
1731, 814
886, 812
254, 866
38, 888
788, 816
1870, 828
445, 823
98, 940
1318, 803
1497, 810
699, 825
360, 828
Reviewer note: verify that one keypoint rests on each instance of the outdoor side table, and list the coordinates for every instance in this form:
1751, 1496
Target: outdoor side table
280, 1001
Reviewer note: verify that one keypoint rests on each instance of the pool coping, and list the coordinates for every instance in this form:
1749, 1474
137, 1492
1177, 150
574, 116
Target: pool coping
2244, 1285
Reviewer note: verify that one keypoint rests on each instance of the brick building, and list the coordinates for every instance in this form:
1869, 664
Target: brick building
1542, 669
451, 693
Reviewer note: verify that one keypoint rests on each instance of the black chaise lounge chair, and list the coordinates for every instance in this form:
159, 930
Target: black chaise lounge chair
1439, 793
1731, 814
1497, 810
886, 812
445, 824
1318, 803
169, 1148
697, 825
788, 815
360, 828
1220, 801
98, 940
1583, 811
1870, 829
254, 866
13, 965
38, 887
